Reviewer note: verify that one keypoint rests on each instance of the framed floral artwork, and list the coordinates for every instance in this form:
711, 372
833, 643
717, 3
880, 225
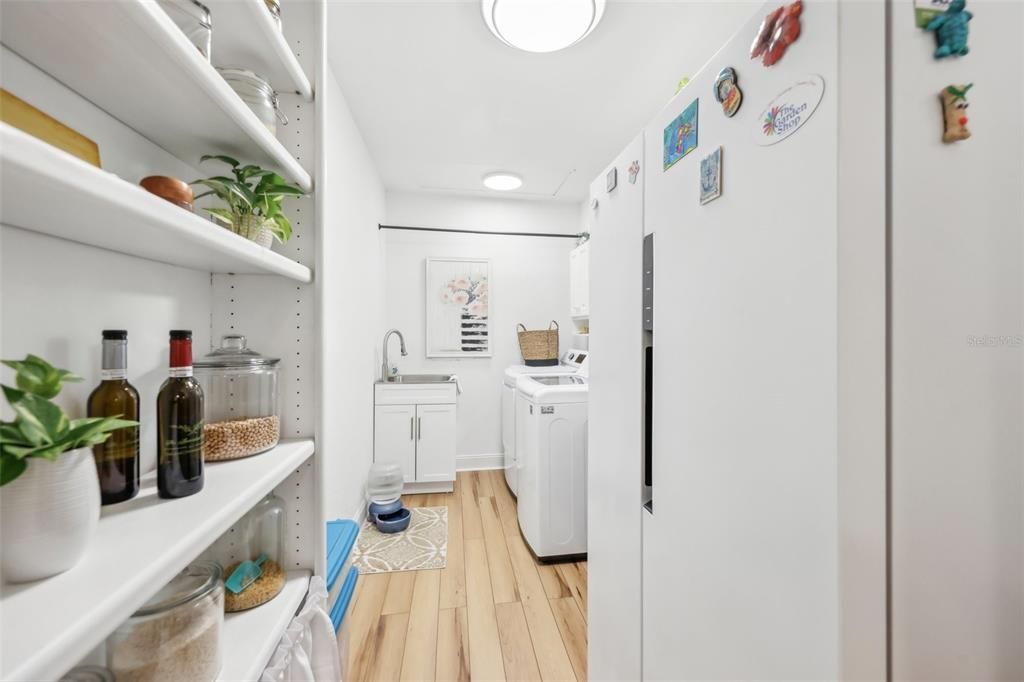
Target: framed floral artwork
458, 307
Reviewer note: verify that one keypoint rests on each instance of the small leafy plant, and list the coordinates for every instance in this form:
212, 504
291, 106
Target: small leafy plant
252, 190
40, 428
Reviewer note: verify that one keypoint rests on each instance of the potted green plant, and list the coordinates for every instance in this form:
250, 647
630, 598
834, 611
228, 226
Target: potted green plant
253, 197
49, 491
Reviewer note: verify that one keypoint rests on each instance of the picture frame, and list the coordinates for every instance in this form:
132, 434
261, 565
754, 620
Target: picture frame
458, 303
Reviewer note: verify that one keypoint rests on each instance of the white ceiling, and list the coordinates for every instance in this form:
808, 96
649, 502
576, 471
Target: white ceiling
441, 101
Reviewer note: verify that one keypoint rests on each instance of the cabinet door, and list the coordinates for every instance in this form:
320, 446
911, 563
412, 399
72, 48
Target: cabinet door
435, 443
579, 281
583, 269
394, 433
574, 282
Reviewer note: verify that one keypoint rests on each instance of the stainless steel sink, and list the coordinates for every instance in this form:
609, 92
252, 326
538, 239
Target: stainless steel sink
419, 379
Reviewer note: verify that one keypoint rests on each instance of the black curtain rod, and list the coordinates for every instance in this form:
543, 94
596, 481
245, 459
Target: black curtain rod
451, 229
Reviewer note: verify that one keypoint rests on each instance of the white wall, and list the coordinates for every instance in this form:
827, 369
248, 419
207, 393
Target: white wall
957, 406
530, 284
350, 300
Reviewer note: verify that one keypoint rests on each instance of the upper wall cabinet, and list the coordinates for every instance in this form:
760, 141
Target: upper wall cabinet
579, 281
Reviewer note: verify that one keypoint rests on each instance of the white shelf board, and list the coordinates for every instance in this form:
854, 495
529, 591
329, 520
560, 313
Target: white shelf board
139, 546
246, 36
128, 58
46, 190
251, 637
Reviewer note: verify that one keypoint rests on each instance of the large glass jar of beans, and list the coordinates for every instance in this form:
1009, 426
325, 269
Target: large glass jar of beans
240, 386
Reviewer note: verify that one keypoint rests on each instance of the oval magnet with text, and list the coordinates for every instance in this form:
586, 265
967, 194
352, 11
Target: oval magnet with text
789, 110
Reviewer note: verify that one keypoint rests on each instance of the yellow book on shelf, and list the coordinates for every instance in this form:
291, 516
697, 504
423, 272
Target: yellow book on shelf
22, 115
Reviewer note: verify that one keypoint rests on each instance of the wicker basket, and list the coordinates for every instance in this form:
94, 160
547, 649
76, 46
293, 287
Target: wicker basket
539, 347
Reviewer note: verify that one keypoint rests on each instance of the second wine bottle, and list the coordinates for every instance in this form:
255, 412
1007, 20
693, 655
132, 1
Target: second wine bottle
179, 414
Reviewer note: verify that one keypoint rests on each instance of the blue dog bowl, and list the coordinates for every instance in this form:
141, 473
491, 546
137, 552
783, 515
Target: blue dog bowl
394, 523
376, 510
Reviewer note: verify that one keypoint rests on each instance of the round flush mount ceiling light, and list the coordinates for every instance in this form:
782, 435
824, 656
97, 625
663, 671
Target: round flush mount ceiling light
542, 25
502, 181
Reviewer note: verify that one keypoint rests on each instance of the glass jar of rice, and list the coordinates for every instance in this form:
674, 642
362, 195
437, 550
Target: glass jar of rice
176, 635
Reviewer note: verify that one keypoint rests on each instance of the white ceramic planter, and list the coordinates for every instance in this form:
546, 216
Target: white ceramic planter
254, 228
48, 516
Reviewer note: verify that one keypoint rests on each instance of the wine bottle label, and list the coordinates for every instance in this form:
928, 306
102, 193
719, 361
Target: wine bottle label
113, 374
182, 441
120, 446
179, 372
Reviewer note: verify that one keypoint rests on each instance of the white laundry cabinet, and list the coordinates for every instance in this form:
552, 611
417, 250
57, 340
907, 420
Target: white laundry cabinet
414, 425
579, 281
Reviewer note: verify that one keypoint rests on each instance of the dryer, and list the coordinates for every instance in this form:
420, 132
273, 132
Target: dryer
551, 446
571, 362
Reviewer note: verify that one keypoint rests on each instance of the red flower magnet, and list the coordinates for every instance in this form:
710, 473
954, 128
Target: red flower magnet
778, 30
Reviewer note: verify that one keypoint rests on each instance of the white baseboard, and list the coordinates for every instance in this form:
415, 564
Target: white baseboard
360, 514
480, 462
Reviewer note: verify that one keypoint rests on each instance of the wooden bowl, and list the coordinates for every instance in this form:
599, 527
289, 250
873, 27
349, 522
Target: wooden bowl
170, 189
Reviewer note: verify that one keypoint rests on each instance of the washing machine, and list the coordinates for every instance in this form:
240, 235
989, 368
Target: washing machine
551, 446
571, 362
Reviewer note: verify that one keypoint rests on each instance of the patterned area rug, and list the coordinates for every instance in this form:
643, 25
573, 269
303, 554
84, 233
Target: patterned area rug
423, 545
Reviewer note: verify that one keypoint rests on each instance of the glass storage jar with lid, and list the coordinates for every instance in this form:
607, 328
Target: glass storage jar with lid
176, 635
257, 94
193, 18
254, 568
240, 389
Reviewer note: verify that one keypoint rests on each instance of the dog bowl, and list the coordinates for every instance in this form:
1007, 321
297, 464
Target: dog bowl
376, 510
394, 523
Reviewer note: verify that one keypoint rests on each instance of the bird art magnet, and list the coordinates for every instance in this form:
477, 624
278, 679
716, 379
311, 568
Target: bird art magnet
954, 112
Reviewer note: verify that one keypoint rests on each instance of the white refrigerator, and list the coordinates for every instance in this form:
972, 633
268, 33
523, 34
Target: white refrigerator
731, 563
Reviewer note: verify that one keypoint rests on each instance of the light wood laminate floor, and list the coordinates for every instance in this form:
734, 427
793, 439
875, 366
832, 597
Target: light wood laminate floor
494, 613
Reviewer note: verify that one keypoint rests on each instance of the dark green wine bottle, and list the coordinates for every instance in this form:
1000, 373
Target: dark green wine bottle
117, 460
179, 417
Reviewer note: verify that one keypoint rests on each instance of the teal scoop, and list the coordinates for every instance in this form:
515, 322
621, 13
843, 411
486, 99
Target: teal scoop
246, 574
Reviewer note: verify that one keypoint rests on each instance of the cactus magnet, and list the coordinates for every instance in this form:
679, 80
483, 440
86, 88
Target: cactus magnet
778, 30
727, 92
954, 112
951, 30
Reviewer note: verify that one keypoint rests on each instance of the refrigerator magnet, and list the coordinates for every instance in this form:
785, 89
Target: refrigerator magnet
778, 31
634, 170
711, 176
954, 112
951, 30
788, 111
680, 136
611, 180
727, 92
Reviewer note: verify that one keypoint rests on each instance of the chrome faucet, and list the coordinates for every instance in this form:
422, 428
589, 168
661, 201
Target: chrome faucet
385, 367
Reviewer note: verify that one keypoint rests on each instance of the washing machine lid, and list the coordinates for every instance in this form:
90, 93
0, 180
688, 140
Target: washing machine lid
547, 389
567, 365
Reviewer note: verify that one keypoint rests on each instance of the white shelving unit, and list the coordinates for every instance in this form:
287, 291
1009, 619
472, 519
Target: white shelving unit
134, 221
250, 637
130, 59
107, 67
235, 24
139, 546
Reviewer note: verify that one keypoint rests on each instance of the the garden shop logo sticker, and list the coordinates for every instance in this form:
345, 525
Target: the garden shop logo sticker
790, 109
